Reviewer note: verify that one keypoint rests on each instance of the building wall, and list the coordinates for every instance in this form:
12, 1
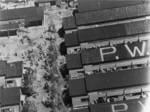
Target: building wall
2, 81
15, 108
18, 81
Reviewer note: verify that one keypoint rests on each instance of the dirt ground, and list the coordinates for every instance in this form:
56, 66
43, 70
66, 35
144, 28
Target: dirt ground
31, 46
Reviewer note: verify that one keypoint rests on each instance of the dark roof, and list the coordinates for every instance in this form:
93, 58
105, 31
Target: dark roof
9, 26
81, 110
77, 87
69, 23
28, 13
90, 34
90, 56
101, 16
115, 31
97, 55
91, 5
10, 96
133, 106
101, 33
137, 27
118, 79
3, 68
71, 39
73, 61
14, 70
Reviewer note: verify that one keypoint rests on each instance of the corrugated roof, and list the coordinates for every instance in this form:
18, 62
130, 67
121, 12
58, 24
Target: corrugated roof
73, 61
71, 39
10, 96
9, 26
28, 13
101, 33
14, 70
137, 27
3, 68
69, 23
91, 34
77, 87
91, 5
118, 79
101, 16
115, 31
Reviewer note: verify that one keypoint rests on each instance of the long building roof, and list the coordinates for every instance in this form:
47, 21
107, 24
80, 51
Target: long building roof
99, 55
107, 15
118, 79
101, 33
29, 14
109, 32
111, 80
91, 5
112, 14
108, 54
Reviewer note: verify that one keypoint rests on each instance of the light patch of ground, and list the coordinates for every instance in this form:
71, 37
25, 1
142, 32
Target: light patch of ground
17, 49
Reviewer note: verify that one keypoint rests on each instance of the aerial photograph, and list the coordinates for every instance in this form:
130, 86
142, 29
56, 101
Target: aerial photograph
74, 55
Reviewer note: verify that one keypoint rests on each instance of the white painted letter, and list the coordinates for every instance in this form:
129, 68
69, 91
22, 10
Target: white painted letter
125, 107
136, 49
102, 53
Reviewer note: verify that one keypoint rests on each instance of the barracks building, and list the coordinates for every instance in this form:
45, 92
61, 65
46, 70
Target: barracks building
108, 55
11, 19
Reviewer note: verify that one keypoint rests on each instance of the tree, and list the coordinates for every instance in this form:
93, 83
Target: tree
29, 107
74, 12
36, 4
47, 77
27, 91
66, 97
27, 84
61, 32
64, 71
62, 48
